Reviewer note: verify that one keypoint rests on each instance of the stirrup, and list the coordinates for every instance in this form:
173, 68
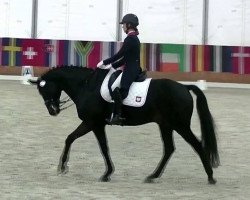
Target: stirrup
116, 120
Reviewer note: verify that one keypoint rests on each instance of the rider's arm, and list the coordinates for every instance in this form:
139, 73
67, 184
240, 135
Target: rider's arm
118, 63
127, 45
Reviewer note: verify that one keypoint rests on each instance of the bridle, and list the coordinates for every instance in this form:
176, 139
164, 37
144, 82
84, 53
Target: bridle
67, 99
61, 103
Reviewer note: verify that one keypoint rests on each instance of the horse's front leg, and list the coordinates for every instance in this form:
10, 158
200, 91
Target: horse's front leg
81, 130
100, 134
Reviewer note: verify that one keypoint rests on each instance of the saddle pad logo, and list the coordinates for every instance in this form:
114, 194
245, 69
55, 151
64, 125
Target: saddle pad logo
138, 99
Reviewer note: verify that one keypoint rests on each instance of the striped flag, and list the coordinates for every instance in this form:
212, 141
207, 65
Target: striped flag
1, 47
63, 52
247, 60
221, 56
153, 57
171, 57
60, 52
108, 49
201, 58
50, 49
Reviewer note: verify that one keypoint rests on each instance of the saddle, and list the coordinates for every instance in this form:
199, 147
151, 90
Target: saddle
137, 91
140, 78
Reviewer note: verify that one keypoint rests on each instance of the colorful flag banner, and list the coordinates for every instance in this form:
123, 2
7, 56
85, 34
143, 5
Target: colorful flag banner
154, 57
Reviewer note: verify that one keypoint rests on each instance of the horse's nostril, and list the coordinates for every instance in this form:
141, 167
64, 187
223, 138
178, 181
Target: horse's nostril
53, 110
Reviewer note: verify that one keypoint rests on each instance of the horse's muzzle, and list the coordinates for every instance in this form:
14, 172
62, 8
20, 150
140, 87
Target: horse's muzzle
53, 110
53, 107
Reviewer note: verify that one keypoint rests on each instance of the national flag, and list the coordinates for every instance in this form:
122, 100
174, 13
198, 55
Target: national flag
67, 53
92, 57
171, 57
105, 50
1, 51
33, 52
109, 49
232, 59
50, 50
152, 57
11, 52
247, 60
59, 52
201, 58
82, 49
226, 59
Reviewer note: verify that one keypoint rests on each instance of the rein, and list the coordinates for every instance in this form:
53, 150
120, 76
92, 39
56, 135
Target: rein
63, 102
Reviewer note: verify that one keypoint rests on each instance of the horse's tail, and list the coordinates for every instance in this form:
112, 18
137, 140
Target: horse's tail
208, 137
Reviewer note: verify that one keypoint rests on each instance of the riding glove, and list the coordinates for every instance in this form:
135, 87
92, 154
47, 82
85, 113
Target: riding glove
105, 66
100, 64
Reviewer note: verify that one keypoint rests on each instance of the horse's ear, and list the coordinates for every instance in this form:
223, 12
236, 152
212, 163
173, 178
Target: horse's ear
33, 82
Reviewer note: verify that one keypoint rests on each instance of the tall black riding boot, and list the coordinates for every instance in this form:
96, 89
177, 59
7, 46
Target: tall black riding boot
117, 119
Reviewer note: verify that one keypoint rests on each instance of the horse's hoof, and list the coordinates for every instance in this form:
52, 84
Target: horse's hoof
105, 179
62, 169
212, 181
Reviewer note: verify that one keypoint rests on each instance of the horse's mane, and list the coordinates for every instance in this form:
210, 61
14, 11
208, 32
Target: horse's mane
75, 72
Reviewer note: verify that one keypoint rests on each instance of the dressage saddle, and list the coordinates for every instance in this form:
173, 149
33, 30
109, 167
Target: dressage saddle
140, 78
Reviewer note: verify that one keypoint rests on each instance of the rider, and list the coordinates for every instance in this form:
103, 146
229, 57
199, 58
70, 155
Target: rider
129, 56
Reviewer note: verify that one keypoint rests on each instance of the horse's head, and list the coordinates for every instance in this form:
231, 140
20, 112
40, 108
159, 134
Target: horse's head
51, 93
71, 80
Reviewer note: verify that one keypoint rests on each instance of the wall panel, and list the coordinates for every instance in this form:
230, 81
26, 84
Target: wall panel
77, 20
178, 21
14, 20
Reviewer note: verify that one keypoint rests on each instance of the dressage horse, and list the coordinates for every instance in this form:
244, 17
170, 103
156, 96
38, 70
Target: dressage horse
168, 103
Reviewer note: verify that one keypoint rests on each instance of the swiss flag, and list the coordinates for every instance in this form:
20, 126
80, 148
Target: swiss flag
32, 52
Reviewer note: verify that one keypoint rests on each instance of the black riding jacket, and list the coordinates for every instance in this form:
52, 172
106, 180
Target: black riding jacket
129, 56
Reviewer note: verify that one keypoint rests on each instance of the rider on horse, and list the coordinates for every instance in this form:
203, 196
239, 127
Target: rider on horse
129, 56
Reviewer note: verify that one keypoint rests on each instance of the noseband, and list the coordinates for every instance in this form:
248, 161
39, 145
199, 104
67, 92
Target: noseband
61, 103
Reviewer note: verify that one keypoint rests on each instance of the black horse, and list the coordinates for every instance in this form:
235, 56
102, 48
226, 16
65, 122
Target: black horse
169, 104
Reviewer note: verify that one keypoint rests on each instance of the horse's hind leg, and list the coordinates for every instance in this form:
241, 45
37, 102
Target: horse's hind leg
102, 140
168, 143
189, 136
81, 130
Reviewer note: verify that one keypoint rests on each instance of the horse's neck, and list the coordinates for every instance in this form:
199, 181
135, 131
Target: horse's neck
78, 89
72, 93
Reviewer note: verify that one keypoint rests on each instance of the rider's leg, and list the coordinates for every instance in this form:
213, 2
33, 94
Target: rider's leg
117, 119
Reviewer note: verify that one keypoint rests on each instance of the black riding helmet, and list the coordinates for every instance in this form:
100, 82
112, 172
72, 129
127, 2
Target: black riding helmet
130, 19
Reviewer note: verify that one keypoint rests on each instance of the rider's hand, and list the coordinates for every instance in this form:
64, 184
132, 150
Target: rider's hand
100, 64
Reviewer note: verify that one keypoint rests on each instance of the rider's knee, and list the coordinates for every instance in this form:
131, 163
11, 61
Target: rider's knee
124, 93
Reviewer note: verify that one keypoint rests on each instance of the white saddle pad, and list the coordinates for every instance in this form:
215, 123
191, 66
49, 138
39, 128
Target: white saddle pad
137, 92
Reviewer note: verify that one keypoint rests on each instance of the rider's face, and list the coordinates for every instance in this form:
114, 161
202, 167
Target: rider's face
124, 27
